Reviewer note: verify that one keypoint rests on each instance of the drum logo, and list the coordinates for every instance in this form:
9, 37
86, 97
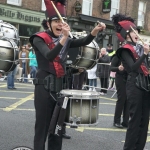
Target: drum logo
22, 148
2, 53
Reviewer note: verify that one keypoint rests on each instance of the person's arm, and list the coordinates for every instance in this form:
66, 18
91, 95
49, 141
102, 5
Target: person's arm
82, 41
134, 66
89, 38
104, 59
114, 64
45, 51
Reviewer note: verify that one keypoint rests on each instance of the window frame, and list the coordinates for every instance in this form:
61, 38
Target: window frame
43, 7
13, 3
114, 8
141, 19
90, 9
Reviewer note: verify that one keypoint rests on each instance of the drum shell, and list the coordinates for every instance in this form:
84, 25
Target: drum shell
83, 105
85, 56
8, 55
86, 109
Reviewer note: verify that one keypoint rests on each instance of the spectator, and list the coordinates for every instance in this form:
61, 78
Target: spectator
92, 78
24, 63
103, 70
28, 47
10, 79
110, 50
32, 63
112, 85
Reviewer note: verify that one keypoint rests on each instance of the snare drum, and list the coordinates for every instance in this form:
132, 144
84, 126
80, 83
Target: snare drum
8, 55
82, 108
9, 31
85, 56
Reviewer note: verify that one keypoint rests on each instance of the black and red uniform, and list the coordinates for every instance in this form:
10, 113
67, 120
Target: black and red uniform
138, 98
51, 57
121, 104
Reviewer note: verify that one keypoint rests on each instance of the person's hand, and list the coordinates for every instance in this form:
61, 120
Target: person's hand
80, 70
146, 48
100, 27
65, 32
65, 29
121, 68
100, 55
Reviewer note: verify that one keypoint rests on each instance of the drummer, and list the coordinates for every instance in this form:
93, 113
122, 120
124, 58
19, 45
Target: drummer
51, 47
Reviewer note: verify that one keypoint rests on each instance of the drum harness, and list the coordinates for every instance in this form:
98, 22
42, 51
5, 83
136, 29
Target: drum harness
51, 83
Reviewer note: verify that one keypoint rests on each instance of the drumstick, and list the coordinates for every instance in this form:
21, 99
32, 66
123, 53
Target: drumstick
99, 23
137, 34
60, 17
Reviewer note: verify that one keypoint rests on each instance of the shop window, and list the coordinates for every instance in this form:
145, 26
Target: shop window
87, 7
15, 2
115, 4
141, 13
43, 6
27, 31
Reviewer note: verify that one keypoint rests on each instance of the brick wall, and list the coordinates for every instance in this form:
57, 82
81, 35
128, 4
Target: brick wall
97, 9
34, 5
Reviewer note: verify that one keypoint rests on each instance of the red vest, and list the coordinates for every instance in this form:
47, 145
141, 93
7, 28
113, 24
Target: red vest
136, 56
49, 42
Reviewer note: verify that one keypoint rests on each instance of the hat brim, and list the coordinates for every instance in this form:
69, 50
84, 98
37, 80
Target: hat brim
57, 18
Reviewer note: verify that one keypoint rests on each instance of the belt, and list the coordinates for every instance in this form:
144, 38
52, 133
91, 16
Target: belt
39, 81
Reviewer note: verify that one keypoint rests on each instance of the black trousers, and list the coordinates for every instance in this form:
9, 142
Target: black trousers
104, 84
121, 104
138, 99
44, 106
78, 80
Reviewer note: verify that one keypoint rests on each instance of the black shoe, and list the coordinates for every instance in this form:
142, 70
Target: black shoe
65, 136
118, 125
14, 88
124, 125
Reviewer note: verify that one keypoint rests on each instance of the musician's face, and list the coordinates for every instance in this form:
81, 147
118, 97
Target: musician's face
133, 36
56, 26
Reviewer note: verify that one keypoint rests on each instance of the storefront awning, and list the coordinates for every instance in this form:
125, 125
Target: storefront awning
95, 19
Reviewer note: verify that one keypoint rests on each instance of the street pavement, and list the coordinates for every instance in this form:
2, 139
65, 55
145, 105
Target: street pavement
17, 117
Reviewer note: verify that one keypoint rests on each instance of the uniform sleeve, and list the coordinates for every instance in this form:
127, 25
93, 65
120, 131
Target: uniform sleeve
134, 66
82, 41
44, 49
114, 64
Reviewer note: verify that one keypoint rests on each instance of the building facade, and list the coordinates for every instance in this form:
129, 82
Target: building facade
82, 15
25, 15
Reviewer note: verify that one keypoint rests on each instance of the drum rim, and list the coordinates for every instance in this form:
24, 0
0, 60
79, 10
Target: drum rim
79, 92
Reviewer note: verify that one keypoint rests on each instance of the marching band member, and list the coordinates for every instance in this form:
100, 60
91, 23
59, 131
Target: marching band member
51, 48
134, 60
121, 103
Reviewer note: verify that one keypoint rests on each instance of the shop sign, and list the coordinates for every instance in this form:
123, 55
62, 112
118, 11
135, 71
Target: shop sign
106, 6
18, 15
77, 6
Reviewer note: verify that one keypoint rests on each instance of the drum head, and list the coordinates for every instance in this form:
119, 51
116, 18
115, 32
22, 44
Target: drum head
9, 31
81, 94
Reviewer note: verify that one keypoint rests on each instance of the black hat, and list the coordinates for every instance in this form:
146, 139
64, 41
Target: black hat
123, 24
50, 11
109, 45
